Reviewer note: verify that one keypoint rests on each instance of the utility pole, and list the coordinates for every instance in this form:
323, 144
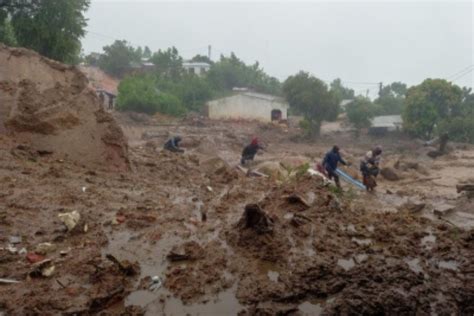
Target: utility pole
380, 88
209, 48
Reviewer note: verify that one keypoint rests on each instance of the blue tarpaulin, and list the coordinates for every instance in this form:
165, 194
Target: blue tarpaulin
349, 179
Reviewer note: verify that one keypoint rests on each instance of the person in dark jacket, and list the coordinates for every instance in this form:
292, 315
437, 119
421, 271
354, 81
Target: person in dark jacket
250, 151
369, 166
173, 145
331, 159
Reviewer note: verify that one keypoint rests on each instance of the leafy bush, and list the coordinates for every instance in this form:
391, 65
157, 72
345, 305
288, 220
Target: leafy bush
140, 94
459, 129
360, 112
192, 91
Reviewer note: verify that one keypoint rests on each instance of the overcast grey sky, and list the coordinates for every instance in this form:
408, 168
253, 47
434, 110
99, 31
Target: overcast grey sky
354, 40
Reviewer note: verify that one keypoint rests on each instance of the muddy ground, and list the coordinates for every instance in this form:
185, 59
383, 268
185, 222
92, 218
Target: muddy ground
175, 223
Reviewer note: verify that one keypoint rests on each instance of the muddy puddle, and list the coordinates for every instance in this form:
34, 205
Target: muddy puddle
314, 307
163, 303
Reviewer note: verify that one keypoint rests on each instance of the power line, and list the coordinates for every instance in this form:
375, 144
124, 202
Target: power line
461, 71
462, 75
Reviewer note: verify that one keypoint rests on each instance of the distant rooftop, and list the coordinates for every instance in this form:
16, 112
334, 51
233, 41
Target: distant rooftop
387, 121
196, 64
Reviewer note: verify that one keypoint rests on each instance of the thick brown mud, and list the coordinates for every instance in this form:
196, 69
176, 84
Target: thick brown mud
312, 250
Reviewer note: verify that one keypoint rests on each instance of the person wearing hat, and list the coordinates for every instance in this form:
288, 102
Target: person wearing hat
330, 161
173, 145
250, 151
369, 166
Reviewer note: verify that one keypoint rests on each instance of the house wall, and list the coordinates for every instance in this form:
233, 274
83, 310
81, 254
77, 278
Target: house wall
245, 107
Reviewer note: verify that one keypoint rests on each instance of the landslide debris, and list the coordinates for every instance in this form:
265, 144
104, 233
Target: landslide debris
50, 106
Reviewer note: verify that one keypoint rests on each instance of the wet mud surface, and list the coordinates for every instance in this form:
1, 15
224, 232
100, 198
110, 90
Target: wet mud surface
184, 243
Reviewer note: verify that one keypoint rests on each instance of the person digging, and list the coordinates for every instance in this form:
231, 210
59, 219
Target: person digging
249, 152
173, 145
369, 166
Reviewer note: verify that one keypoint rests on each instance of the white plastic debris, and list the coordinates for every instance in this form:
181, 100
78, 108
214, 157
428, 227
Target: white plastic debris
12, 249
48, 271
14, 239
43, 268
70, 219
156, 283
44, 248
8, 281
65, 252
84, 189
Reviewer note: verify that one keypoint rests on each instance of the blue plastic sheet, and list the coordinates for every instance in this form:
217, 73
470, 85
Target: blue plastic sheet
349, 179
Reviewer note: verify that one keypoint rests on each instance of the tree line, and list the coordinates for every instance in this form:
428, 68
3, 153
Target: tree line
54, 28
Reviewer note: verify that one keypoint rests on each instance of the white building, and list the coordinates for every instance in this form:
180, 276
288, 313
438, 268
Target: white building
249, 106
198, 68
386, 123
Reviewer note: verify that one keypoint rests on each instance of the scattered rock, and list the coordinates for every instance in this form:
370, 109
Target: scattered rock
34, 258
295, 198
190, 250
70, 219
413, 207
14, 240
43, 268
126, 267
45, 248
389, 174
443, 209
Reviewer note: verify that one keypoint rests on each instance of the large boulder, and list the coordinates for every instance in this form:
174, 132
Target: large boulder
389, 174
50, 106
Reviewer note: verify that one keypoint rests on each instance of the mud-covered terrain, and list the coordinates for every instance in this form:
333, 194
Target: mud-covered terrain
192, 234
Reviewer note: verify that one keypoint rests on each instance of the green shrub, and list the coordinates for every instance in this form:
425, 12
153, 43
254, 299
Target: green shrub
360, 113
139, 94
460, 129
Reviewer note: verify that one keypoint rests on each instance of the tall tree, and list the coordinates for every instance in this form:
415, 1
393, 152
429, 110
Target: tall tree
147, 52
53, 28
230, 72
117, 58
202, 59
428, 104
391, 99
341, 92
168, 63
360, 113
310, 96
7, 34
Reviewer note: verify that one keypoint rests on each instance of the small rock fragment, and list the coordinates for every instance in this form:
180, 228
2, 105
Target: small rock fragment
70, 219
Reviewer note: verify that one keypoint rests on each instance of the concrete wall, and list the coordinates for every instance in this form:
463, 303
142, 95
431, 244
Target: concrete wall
245, 107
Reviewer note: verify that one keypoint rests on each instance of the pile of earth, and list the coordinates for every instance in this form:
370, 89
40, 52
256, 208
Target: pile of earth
50, 107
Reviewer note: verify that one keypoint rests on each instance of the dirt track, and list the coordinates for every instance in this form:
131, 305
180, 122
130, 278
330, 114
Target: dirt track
348, 253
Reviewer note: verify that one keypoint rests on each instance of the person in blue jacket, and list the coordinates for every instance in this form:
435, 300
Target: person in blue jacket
173, 145
332, 158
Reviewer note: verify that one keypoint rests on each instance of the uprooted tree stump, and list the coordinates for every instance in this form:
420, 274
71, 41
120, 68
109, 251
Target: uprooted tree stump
255, 218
